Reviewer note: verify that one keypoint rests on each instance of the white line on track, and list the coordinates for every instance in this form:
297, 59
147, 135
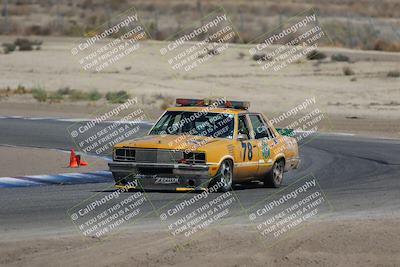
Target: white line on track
56, 179
71, 119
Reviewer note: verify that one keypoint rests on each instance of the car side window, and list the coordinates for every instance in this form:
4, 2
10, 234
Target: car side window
242, 127
271, 133
259, 128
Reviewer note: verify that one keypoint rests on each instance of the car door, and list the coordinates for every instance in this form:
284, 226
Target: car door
283, 145
247, 164
266, 143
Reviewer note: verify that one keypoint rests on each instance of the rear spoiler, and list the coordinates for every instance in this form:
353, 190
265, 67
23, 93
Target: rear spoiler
285, 131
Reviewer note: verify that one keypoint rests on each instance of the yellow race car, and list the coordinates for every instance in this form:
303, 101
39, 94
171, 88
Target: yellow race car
203, 144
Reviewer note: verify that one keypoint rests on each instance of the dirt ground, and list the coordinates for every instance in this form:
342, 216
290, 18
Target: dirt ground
365, 102
360, 242
22, 161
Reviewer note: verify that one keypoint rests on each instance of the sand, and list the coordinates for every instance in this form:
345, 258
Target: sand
360, 242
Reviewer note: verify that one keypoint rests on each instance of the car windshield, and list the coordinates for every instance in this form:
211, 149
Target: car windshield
219, 125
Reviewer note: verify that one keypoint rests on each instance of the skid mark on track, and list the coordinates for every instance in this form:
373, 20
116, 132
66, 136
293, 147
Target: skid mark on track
57, 179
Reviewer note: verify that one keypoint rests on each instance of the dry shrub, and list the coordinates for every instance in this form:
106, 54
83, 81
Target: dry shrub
37, 30
21, 90
348, 71
382, 45
39, 94
8, 47
55, 97
340, 58
4, 93
260, 57
393, 74
167, 102
241, 55
316, 55
27, 45
119, 97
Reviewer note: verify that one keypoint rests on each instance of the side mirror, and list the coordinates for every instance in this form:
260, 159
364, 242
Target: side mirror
242, 137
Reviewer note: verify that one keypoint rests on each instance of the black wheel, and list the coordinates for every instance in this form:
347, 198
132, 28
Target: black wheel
275, 176
224, 178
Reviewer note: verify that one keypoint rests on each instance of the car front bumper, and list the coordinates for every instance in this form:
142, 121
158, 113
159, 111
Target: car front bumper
160, 176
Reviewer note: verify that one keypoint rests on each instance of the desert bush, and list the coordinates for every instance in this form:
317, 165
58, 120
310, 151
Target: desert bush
117, 97
340, 57
94, 95
39, 94
348, 71
241, 55
37, 30
208, 51
21, 90
167, 102
8, 47
27, 45
23, 44
56, 97
261, 57
74, 30
64, 90
4, 93
393, 74
212, 52
382, 45
78, 95
316, 55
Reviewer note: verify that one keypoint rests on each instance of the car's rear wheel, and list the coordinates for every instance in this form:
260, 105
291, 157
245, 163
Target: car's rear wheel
274, 177
224, 178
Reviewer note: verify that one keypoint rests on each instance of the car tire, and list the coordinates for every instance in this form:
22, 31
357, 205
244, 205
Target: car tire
224, 176
274, 177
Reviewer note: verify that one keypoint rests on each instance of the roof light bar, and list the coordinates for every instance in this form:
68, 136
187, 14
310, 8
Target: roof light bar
187, 102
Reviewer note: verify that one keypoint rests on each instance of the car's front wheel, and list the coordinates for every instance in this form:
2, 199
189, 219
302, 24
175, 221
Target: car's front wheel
274, 177
224, 178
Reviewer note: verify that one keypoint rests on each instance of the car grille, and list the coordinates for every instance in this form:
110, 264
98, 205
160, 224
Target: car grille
195, 158
124, 154
147, 155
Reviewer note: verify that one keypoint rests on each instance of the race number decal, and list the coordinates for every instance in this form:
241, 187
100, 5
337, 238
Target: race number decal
247, 147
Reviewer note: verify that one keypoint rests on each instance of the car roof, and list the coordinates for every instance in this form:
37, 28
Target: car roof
209, 109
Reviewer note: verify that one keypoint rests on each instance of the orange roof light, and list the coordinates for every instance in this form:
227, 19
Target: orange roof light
187, 102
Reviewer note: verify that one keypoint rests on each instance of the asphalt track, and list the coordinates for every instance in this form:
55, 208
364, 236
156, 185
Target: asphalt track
359, 176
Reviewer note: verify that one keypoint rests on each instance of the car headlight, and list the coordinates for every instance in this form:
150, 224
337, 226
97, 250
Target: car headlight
193, 158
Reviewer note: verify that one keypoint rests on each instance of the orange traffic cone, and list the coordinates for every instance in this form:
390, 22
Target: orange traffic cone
83, 163
80, 161
73, 163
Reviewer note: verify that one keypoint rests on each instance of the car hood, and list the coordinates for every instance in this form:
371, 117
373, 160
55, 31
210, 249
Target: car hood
178, 142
